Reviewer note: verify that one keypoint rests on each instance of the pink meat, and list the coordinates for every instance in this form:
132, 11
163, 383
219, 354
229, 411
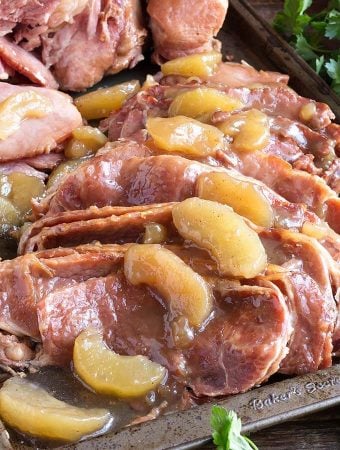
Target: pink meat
109, 224
26, 63
306, 277
105, 181
101, 39
218, 361
25, 280
182, 27
39, 135
236, 75
245, 341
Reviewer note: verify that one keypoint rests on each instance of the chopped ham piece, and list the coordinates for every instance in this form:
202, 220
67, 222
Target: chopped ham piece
80, 41
25, 63
98, 41
36, 136
182, 27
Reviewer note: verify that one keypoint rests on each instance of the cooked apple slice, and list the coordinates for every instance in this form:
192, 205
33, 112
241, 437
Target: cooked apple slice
99, 103
235, 247
244, 196
108, 373
202, 101
31, 410
249, 130
184, 290
201, 65
181, 134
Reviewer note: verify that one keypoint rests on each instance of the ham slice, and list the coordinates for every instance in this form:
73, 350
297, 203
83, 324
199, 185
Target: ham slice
36, 136
107, 225
64, 291
221, 361
26, 279
147, 180
133, 321
307, 275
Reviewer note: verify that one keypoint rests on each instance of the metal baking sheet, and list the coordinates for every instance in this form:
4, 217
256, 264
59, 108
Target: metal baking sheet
245, 36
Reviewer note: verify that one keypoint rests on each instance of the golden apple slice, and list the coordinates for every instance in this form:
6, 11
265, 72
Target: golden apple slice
241, 194
249, 129
108, 373
202, 101
33, 411
184, 290
200, 65
235, 247
181, 134
99, 103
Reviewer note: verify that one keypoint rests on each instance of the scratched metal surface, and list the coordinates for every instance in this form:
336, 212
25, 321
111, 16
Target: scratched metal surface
258, 409
245, 37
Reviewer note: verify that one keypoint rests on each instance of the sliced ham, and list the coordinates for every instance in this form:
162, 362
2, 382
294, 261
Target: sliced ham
105, 181
295, 185
221, 360
36, 136
47, 161
305, 273
182, 27
26, 279
133, 321
147, 180
64, 291
109, 224
236, 75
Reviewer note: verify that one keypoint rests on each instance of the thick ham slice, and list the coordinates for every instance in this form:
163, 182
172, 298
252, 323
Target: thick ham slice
274, 99
294, 185
133, 321
182, 27
146, 180
105, 181
26, 279
306, 149
109, 224
302, 269
220, 361
39, 135
66, 290
305, 273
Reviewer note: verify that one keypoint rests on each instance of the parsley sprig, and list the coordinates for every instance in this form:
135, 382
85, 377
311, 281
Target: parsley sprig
314, 35
226, 431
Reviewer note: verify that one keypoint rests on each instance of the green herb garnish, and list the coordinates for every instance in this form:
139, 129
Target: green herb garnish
226, 431
314, 35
